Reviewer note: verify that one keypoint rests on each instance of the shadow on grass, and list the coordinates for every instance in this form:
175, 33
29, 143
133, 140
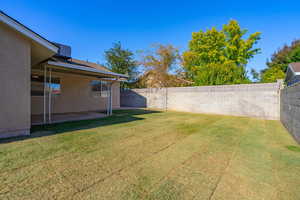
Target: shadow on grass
119, 116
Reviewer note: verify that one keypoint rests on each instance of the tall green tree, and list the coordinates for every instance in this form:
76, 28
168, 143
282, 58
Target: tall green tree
219, 74
122, 61
225, 51
255, 75
272, 75
237, 49
277, 66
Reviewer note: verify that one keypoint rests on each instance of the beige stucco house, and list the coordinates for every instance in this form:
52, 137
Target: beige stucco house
41, 83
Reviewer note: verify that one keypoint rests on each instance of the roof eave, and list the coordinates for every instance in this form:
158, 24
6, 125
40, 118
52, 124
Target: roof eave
85, 69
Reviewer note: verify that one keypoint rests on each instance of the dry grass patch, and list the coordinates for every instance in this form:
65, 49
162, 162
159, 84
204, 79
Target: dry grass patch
152, 155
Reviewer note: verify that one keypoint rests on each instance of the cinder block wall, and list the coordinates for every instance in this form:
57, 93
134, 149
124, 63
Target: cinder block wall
290, 110
254, 100
144, 98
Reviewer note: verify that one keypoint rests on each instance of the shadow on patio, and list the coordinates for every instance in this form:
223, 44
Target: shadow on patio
67, 117
119, 116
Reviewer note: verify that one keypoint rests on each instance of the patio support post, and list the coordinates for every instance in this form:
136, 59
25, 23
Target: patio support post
45, 81
109, 100
110, 97
107, 103
50, 93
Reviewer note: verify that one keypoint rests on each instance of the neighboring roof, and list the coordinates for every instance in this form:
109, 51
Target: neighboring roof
14, 24
89, 64
293, 73
295, 67
84, 69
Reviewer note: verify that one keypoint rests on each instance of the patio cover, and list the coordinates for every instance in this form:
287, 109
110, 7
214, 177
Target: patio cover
67, 66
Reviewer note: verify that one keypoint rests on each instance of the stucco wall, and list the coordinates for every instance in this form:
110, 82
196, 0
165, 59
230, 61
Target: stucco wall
14, 83
255, 100
290, 110
76, 96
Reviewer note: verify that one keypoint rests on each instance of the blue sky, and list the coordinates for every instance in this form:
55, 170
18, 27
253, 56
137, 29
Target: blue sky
91, 27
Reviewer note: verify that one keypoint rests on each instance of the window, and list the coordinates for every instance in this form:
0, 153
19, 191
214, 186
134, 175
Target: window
37, 85
100, 88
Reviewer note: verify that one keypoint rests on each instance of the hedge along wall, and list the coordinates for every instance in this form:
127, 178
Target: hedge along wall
253, 100
290, 110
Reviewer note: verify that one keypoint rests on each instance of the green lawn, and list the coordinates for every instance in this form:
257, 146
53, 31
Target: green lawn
153, 155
